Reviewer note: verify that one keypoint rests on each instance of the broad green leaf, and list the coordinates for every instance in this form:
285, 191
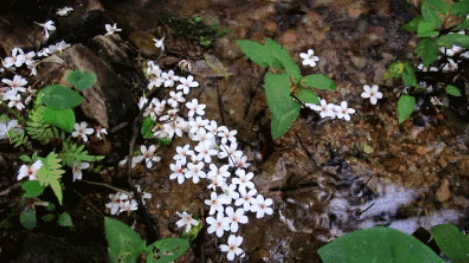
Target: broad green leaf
25, 158
282, 55
308, 95
379, 244
281, 124
277, 92
463, 25
28, 219
408, 76
395, 69
439, 5
452, 90
452, 242
431, 15
123, 242
428, 50
60, 97
405, 107
32, 188
48, 217
55, 185
63, 119
319, 81
413, 25
147, 125
65, 220
256, 52
81, 79
454, 39
167, 250
460, 8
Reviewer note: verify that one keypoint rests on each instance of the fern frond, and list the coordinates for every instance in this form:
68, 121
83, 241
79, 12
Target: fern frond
71, 153
51, 173
18, 137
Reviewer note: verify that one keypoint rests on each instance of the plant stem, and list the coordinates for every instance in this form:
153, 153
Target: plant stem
21, 119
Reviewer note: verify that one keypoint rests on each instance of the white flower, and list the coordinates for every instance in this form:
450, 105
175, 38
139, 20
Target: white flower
182, 153
226, 135
6, 128
81, 130
195, 172
135, 161
116, 202
175, 98
77, 174
203, 137
372, 93
212, 128
309, 58
159, 43
195, 107
186, 220
111, 29
184, 63
230, 192
100, 131
172, 114
217, 181
218, 172
15, 102
29, 171
219, 225
59, 47
226, 150
186, 84
153, 69
64, 11
247, 200
169, 78
233, 247
262, 206
326, 110
243, 181
16, 59
216, 203
48, 26
178, 172
149, 155
236, 217
205, 151
129, 205
196, 124
450, 66
239, 161
159, 105
142, 102
343, 112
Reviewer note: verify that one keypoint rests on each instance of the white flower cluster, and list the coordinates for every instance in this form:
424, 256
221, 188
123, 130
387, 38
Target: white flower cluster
11, 92
452, 65
82, 131
331, 110
121, 201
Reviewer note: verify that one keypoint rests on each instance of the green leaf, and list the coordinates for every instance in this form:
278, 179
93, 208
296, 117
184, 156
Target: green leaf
277, 91
428, 50
431, 15
308, 95
60, 97
147, 125
282, 55
463, 25
167, 250
123, 242
395, 69
405, 107
28, 219
55, 185
452, 242
25, 158
454, 39
408, 76
379, 244
256, 52
63, 119
281, 124
319, 81
32, 188
439, 5
413, 25
452, 90
65, 220
425, 29
48, 217
81, 79
163, 141
460, 8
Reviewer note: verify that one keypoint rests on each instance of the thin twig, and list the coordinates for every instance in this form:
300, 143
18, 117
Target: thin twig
105, 185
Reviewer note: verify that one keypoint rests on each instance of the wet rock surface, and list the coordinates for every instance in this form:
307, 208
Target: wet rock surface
321, 175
